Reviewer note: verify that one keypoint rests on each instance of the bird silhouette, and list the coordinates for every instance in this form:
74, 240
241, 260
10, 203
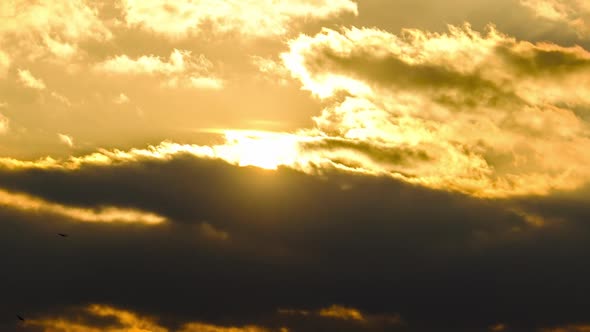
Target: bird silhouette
62, 235
20, 318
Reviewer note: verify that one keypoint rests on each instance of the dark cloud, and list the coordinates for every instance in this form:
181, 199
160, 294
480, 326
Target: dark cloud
428, 78
383, 154
540, 61
442, 261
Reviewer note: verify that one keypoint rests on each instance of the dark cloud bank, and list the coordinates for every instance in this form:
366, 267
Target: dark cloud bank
443, 262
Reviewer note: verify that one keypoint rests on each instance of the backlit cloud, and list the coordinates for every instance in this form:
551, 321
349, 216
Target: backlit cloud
105, 214
480, 113
182, 69
257, 18
55, 27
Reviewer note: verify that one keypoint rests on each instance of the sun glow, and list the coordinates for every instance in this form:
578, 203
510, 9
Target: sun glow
261, 149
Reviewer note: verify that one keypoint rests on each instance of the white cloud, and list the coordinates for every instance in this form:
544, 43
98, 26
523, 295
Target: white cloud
28, 80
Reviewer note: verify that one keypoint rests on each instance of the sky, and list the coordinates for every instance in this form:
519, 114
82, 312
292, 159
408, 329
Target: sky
294, 165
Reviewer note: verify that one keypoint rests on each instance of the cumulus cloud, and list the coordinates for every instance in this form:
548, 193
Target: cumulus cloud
30, 81
480, 113
575, 13
50, 27
256, 18
182, 69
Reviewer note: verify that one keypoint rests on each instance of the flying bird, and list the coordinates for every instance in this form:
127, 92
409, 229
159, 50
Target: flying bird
62, 235
20, 318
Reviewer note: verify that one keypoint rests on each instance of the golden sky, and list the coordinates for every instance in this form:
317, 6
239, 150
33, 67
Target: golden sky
252, 123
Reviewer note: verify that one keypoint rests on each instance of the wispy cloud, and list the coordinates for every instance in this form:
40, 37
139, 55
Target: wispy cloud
105, 214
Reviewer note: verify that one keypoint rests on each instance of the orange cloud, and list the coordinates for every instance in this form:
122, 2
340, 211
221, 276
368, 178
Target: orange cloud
340, 312
127, 321
343, 313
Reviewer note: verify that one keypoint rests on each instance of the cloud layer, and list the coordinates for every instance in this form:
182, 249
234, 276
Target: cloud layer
294, 165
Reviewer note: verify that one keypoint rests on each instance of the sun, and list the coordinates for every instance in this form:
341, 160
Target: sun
258, 148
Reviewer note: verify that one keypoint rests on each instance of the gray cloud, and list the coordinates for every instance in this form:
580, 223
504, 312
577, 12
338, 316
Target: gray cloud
297, 241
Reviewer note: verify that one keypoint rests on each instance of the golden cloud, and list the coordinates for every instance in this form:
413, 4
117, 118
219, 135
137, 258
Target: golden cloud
106, 214
66, 139
127, 321
5, 62
340, 312
242, 148
55, 27
575, 13
4, 124
30, 81
181, 70
483, 114
257, 18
